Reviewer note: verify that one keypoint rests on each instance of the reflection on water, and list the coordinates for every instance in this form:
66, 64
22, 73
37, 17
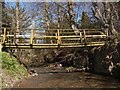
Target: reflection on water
49, 78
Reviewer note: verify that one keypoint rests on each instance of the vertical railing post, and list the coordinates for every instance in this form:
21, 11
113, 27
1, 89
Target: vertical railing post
81, 37
58, 37
107, 33
84, 35
4, 35
32, 36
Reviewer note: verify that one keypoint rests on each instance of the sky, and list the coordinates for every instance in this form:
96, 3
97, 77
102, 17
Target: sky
13, 4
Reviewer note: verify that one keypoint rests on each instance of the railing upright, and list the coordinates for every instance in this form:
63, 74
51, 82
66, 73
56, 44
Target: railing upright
81, 37
84, 35
32, 37
4, 36
58, 37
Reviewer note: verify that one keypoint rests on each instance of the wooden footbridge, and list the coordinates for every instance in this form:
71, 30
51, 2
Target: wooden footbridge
52, 38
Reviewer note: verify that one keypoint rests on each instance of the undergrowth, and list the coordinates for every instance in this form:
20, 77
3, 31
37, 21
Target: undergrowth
11, 64
12, 69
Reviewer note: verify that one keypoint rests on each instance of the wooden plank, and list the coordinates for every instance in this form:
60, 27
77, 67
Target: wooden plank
27, 44
61, 46
16, 36
69, 39
42, 33
82, 43
40, 37
45, 36
35, 34
94, 36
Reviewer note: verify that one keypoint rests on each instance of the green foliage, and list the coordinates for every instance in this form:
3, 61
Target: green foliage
96, 25
85, 21
11, 64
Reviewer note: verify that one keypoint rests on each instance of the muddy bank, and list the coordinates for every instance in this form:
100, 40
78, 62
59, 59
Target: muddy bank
12, 70
47, 78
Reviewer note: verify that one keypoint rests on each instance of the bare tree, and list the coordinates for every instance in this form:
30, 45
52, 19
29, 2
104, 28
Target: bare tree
47, 16
107, 16
71, 15
47, 20
17, 20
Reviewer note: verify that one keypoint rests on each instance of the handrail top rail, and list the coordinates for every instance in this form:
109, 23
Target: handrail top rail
48, 29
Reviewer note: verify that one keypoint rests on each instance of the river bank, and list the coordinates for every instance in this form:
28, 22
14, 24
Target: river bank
12, 70
59, 78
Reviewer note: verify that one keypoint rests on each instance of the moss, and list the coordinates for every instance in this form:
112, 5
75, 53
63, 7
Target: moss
12, 64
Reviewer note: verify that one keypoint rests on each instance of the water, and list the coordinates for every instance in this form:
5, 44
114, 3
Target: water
59, 78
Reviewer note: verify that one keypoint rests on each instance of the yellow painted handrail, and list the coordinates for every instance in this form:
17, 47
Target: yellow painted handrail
58, 39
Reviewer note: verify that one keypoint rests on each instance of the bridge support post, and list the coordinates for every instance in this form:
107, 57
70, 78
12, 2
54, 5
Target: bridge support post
1, 47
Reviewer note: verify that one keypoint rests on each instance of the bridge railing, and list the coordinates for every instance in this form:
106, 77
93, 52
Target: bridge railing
51, 37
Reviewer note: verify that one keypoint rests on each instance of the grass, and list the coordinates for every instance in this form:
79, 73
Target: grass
11, 64
12, 69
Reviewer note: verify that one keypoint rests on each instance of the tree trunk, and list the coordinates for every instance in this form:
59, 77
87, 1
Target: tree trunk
71, 12
107, 18
47, 21
17, 20
71, 15
58, 9
59, 39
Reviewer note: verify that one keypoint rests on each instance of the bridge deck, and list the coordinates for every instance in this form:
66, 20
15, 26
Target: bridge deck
55, 38
47, 46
